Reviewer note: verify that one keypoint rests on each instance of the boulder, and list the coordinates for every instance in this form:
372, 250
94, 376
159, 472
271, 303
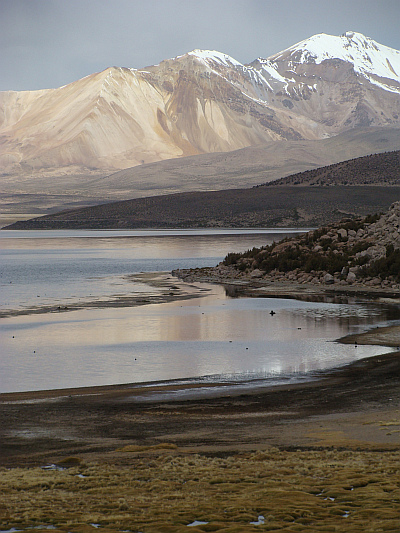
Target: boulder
351, 277
329, 279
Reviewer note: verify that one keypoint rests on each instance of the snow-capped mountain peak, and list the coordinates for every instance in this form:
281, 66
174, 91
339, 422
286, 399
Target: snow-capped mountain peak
212, 57
200, 102
369, 58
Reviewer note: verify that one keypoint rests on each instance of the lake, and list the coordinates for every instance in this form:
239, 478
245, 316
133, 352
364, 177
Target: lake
211, 338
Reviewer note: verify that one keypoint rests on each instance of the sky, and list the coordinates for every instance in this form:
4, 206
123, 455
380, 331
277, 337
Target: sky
49, 43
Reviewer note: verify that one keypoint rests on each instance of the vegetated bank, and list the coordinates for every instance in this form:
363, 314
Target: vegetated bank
360, 252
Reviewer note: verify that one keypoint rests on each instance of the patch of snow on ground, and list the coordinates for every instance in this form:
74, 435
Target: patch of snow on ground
260, 521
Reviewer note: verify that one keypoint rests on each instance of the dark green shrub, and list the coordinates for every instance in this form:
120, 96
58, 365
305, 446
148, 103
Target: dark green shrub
386, 266
231, 258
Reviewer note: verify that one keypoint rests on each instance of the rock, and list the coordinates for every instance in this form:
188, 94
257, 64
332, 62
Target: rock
376, 252
256, 273
343, 233
351, 277
328, 279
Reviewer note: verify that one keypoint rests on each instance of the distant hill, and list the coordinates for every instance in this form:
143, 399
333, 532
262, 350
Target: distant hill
25, 197
375, 169
272, 205
107, 136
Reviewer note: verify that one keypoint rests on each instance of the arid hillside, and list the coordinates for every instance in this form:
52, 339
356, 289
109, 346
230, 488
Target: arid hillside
25, 197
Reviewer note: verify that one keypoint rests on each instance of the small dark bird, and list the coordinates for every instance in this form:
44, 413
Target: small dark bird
272, 313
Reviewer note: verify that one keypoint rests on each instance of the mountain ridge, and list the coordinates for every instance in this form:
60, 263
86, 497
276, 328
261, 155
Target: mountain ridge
200, 102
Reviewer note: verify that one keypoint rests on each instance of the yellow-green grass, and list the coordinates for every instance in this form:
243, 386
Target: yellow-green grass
164, 490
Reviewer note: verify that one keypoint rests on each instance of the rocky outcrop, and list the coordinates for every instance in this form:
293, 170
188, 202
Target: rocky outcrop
363, 251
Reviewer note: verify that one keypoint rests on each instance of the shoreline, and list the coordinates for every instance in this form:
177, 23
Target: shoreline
360, 388
343, 407
195, 283
141, 392
169, 289
247, 285
319, 453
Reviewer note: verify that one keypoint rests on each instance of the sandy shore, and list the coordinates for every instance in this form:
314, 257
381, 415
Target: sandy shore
163, 288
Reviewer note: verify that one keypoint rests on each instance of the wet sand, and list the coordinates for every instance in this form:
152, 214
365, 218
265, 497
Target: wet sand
165, 289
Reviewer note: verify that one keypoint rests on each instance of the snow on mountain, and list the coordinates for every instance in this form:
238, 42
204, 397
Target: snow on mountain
200, 102
369, 58
212, 57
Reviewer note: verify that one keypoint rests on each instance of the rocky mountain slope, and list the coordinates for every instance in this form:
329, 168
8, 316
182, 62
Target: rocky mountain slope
248, 166
200, 102
363, 251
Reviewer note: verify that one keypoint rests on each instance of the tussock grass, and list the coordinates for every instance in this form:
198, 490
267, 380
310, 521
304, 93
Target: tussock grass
164, 491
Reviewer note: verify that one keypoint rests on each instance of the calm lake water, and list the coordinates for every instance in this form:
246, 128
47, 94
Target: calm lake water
211, 338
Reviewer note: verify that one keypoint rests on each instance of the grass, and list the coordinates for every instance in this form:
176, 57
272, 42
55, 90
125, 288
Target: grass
163, 490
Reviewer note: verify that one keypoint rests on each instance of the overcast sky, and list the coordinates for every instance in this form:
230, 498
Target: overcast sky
49, 43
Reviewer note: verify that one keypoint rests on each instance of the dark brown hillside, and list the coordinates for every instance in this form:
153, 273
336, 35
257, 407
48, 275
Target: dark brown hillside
375, 169
282, 203
256, 207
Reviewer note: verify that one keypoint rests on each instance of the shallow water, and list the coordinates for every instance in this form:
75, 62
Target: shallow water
214, 336
60, 267
211, 338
